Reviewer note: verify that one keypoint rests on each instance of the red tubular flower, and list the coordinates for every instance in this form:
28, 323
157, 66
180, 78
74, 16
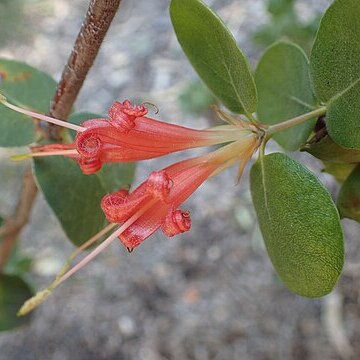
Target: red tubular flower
154, 204
128, 135
164, 191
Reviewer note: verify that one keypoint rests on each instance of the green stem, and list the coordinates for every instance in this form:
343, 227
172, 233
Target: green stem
295, 121
263, 146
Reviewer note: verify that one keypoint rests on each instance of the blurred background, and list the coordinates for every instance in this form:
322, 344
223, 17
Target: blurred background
210, 293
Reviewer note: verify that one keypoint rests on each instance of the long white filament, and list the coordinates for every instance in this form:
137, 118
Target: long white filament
105, 243
39, 298
41, 116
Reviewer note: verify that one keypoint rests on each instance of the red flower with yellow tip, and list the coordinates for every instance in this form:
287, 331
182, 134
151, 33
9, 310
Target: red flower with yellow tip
129, 135
154, 204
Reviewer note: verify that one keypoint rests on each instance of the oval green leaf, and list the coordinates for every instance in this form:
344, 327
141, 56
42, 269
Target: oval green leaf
300, 225
349, 197
28, 87
327, 150
342, 119
340, 171
335, 70
284, 91
214, 54
14, 291
74, 197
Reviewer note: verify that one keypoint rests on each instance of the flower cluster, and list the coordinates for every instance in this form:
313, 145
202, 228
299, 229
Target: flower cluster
129, 135
167, 189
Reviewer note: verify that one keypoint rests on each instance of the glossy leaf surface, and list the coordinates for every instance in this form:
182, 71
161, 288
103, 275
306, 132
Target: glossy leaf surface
27, 87
300, 225
284, 91
335, 70
214, 54
14, 291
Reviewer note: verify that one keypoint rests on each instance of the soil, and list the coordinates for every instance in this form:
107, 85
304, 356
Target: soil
208, 294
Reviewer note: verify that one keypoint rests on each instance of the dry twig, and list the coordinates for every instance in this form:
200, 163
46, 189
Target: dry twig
332, 310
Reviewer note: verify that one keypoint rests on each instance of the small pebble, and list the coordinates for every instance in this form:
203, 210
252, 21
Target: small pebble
127, 326
213, 253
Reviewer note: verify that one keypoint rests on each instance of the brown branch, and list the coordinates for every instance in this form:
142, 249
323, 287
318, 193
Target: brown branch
87, 45
14, 223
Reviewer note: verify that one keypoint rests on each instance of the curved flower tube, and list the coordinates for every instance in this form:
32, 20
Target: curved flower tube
128, 135
167, 189
154, 204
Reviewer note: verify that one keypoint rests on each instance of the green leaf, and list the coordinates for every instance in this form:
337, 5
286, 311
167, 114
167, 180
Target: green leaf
18, 264
116, 176
74, 197
14, 291
196, 98
26, 87
343, 122
284, 91
335, 55
327, 150
300, 225
349, 197
214, 54
335, 70
340, 171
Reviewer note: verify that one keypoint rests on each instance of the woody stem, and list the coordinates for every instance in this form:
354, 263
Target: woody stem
97, 21
92, 33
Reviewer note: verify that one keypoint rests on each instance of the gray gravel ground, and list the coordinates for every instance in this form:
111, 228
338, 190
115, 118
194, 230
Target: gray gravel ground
209, 294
